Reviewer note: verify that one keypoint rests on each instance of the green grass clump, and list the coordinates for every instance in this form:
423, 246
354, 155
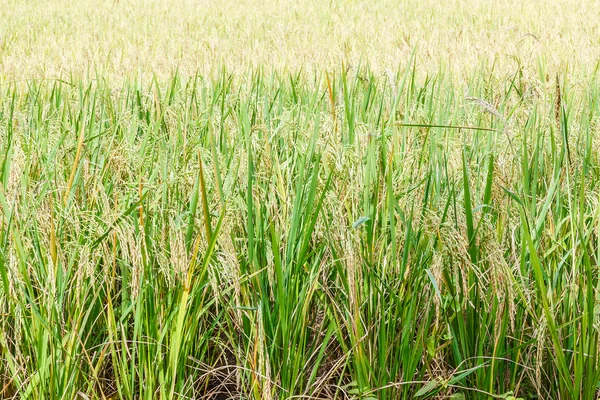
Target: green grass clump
284, 236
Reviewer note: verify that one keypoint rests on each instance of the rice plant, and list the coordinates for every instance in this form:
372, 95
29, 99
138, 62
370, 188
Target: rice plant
272, 235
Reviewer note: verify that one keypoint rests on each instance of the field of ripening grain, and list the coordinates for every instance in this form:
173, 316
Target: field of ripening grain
334, 199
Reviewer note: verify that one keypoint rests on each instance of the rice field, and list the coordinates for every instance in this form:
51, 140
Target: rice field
323, 200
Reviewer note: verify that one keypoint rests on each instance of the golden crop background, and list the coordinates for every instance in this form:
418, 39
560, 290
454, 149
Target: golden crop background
121, 38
